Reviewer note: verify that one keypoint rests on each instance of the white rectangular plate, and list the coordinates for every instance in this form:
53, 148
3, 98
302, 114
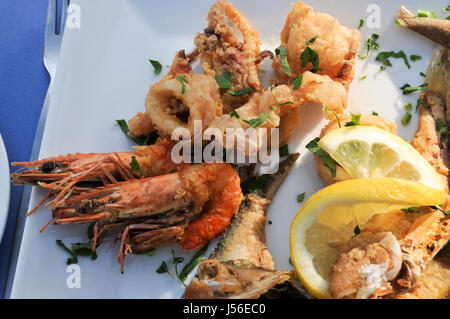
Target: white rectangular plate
104, 75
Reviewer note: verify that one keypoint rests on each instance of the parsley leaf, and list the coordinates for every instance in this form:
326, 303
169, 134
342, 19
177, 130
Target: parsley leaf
297, 82
446, 212
281, 51
300, 197
149, 253
183, 81
254, 185
234, 114
406, 118
410, 210
192, 263
275, 99
423, 13
327, 160
312, 40
135, 167
407, 89
284, 150
256, 122
139, 140
240, 92
310, 56
356, 230
374, 113
371, 43
73, 259
355, 120
385, 55
156, 65
361, 23
335, 115
415, 58
441, 127
224, 80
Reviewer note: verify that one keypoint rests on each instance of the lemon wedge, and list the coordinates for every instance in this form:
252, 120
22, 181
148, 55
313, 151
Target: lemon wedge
328, 219
368, 151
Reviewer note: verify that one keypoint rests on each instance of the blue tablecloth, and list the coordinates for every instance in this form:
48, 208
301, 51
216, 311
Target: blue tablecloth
23, 85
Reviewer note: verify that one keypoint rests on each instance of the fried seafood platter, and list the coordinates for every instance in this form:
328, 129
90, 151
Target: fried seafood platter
355, 120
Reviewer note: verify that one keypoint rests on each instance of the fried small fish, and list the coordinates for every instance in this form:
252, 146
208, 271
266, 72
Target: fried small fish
241, 266
437, 30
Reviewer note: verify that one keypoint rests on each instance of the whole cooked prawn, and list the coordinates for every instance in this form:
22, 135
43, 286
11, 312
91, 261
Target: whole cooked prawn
190, 206
71, 174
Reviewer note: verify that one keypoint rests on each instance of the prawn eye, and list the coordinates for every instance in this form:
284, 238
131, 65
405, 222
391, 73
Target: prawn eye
47, 167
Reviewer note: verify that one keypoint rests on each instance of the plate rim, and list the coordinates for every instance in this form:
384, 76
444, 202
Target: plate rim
4, 159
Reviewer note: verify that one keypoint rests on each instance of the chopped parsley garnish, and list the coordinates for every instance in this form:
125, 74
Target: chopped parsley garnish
183, 81
163, 268
156, 66
297, 82
446, 9
363, 77
361, 23
269, 222
422, 74
281, 51
326, 159
406, 118
408, 106
355, 120
384, 57
192, 264
397, 21
254, 185
312, 40
224, 80
78, 249
139, 140
234, 114
275, 99
415, 58
408, 89
439, 207
423, 13
300, 197
258, 121
374, 113
240, 92
420, 102
135, 167
410, 210
73, 257
441, 127
356, 230
448, 18
371, 43
335, 115
382, 68
310, 56
148, 253
284, 150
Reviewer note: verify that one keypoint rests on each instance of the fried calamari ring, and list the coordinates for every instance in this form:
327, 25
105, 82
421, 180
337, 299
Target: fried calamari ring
179, 99
220, 50
336, 45
321, 89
